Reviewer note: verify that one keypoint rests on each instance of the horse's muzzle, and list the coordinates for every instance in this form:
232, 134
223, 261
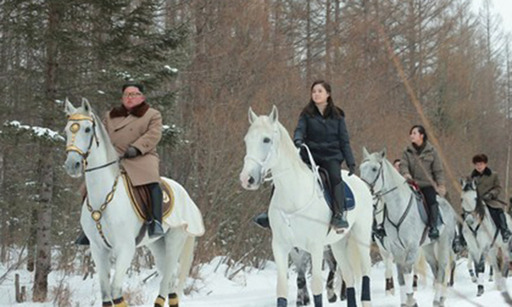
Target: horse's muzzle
248, 182
73, 166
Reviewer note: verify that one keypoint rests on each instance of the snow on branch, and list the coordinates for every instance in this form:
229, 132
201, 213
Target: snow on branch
33, 131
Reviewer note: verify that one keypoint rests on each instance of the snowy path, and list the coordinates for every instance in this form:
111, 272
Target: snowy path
252, 289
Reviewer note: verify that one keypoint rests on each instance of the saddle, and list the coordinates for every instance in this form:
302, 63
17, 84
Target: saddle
141, 200
422, 204
328, 191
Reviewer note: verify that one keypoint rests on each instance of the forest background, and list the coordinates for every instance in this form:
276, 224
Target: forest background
204, 62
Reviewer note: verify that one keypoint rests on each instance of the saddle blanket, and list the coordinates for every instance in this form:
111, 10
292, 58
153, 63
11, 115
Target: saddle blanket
178, 208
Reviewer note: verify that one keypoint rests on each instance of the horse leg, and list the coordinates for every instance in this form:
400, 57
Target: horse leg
281, 258
361, 252
470, 264
339, 250
491, 273
101, 258
401, 283
480, 268
174, 242
157, 248
331, 263
316, 270
300, 260
123, 261
388, 263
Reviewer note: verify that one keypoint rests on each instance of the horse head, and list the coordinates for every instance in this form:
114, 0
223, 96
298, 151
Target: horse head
261, 143
371, 166
80, 134
469, 195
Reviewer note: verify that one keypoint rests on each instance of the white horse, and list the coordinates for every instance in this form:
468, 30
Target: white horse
110, 222
299, 214
405, 230
482, 237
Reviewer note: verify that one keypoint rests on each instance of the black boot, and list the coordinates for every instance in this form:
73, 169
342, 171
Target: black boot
262, 220
339, 220
82, 239
433, 233
505, 232
155, 229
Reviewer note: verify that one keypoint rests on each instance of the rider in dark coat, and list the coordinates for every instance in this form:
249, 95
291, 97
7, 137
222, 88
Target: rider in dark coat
322, 128
489, 189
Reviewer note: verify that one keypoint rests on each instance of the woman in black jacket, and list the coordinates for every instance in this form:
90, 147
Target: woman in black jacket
322, 128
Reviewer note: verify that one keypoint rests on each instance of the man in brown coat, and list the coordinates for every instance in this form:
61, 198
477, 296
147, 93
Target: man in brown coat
488, 189
135, 130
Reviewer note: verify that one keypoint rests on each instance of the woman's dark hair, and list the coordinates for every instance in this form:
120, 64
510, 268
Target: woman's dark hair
421, 130
330, 109
480, 158
396, 160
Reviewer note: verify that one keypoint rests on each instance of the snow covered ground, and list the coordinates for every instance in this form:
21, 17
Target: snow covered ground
246, 288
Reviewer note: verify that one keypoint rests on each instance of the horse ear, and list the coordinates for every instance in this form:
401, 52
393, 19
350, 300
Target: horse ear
86, 105
366, 154
68, 107
273, 115
252, 115
383, 152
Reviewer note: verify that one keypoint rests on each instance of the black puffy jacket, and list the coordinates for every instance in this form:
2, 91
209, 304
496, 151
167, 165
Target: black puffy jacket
327, 138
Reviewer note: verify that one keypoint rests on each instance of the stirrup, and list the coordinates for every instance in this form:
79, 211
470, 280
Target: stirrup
339, 222
82, 239
433, 233
262, 220
155, 229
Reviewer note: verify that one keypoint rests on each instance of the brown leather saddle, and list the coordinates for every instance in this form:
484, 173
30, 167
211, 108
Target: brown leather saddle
141, 200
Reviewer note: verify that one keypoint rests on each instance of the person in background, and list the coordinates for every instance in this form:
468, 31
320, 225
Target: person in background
488, 190
421, 163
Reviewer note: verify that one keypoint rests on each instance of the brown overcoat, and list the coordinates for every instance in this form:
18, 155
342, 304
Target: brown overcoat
488, 186
426, 168
143, 131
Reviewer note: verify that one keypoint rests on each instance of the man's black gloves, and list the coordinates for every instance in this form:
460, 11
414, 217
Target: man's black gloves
131, 152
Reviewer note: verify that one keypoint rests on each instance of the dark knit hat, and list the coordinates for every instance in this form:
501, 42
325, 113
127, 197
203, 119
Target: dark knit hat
134, 84
480, 158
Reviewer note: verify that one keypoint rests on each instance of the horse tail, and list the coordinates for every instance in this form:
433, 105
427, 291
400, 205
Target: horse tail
186, 258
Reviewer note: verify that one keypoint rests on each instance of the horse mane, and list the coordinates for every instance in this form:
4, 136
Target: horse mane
289, 148
102, 131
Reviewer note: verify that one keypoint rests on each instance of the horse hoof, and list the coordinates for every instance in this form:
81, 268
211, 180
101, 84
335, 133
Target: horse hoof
480, 290
332, 298
343, 297
473, 279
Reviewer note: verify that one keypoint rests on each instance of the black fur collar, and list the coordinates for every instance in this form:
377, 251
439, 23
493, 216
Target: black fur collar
487, 172
121, 111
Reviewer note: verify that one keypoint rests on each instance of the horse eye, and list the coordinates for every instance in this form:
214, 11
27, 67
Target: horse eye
87, 129
266, 140
374, 169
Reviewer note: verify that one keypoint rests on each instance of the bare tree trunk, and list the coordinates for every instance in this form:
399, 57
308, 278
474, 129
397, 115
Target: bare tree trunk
43, 261
308, 43
508, 94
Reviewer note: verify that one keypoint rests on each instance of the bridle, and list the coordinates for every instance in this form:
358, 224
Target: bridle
74, 128
96, 214
380, 173
265, 161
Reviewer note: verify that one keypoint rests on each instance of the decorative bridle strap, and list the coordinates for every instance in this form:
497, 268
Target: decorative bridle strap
97, 214
72, 147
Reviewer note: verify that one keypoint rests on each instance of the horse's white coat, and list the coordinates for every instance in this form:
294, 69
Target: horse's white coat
119, 221
403, 242
299, 215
